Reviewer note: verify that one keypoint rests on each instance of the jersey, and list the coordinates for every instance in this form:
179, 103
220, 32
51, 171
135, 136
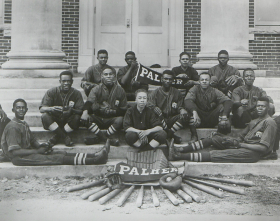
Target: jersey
128, 86
243, 92
55, 97
261, 131
170, 103
17, 135
141, 121
116, 98
205, 100
222, 75
93, 73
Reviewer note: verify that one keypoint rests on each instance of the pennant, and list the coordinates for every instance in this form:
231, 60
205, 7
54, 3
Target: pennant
148, 76
135, 174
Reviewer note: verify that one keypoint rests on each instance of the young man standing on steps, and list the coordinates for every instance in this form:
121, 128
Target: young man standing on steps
23, 149
223, 76
167, 103
126, 76
61, 109
93, 74
209, 106
142, 126
105, 108
254, 142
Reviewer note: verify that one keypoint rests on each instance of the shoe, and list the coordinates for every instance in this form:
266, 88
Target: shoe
101, 157
53, 140
91, 140
68, 142
107, 146
115, 142
271, 156
3, 158
177, 139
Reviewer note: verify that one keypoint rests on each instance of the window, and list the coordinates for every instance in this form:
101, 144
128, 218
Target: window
267, 14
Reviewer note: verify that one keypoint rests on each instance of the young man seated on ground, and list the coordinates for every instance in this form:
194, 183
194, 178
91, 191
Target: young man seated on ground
167, 103
61, 109
208, 106
93, 74
254, 142
105, 108
142, 126
245, 100
186, 71
223, 76
126, 76
244, 106
23, 149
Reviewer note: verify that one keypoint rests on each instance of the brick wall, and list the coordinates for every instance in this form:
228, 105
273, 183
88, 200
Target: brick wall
192, 27
251, 14
266, 51
70, 32
5, 42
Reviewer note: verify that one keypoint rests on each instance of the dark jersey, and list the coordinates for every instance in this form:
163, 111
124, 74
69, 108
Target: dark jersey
141, 121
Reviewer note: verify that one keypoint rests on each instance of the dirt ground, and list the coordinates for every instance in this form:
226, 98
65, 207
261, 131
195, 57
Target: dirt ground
48, 195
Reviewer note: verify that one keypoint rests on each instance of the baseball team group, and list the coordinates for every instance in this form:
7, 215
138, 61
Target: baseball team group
220, 98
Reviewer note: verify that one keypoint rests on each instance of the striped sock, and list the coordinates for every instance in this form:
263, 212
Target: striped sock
111, 130
80, 159
176, 126
197, 157
194, 146
164, 125
94, 128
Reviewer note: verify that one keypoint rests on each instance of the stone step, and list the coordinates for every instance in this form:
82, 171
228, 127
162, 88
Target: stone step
46, 83
79, 135
34, 118
26, 94
33, 105
266, 168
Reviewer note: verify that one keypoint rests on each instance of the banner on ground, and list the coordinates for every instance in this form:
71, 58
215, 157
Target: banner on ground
148, 76
135, 174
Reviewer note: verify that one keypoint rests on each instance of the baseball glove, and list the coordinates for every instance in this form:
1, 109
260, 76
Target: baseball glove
224, 126
231, 143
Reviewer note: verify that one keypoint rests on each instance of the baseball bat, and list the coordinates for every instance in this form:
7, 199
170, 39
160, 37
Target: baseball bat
93, 191
170, 196
84, 185
184, 196
99, 194
140, 196
155, 198
233, 181
223, 187
205, 189
195, 197
109, 196
125, 196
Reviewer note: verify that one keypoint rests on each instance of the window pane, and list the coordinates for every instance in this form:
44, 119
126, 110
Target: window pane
150, 13
113, 12
267, 12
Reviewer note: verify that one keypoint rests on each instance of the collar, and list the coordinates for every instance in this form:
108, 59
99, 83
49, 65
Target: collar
19, 121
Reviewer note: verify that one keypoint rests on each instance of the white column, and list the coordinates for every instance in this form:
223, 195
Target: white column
224, 25
36, 37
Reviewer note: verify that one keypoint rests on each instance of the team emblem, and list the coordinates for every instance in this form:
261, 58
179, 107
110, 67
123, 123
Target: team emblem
174, 105
71, 103
117, 102
258, 134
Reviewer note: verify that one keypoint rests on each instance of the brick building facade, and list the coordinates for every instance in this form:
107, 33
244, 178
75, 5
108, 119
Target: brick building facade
264, 46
